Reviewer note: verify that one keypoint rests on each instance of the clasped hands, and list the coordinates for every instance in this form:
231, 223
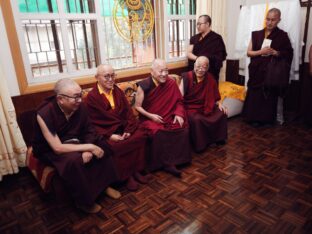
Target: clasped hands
118, 137
158, 119
266, 51
94, 150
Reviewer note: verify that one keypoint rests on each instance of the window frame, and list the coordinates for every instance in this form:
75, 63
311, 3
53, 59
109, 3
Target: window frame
186, 17
13, 21
62, 17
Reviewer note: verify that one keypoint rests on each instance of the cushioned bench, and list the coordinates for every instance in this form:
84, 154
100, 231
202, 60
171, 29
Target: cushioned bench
46, 175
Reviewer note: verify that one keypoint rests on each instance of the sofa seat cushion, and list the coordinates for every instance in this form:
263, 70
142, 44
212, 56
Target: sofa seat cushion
42, 172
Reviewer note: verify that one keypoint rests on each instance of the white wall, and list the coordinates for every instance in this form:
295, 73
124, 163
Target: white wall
233, 8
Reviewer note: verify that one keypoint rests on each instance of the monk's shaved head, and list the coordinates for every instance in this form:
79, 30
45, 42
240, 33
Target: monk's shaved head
159, 70
158, 62
202, 60
104, 68
275, 11
63, 85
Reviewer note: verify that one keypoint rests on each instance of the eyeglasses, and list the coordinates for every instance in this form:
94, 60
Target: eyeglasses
76, 98
109, 76
199, 24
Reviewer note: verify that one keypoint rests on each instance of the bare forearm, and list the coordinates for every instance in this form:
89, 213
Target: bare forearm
252, 53
68, 148
191, 56
143, 112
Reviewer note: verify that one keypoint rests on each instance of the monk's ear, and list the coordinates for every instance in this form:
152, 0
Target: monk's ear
58, 98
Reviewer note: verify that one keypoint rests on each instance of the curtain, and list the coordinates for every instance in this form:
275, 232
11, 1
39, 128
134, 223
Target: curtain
251, 18
216, 9
12, 145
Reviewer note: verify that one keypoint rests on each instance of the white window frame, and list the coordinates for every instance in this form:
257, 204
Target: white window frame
62, 17
186, 17
161, 37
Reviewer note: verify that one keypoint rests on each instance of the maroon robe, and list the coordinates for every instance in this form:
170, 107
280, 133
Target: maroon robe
170, 142
84, 181
261, 103
129, 155
211, 46
207, 123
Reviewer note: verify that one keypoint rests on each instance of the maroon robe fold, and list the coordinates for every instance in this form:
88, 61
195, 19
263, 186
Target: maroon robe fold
261, 102
128, 155
170, 142
84, 181
207, 123
211, 46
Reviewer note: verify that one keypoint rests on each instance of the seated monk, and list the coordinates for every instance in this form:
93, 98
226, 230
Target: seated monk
65, 138
207, 117
160, 106
112, 116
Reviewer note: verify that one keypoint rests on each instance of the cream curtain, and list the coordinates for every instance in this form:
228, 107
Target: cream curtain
216, 9
12, 145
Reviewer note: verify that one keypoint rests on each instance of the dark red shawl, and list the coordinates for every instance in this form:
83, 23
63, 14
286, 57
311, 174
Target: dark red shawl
164, 100
107, 120
200, 97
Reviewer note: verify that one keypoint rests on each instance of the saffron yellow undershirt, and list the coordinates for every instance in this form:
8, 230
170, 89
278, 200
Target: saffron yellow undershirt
155, 81
109, 96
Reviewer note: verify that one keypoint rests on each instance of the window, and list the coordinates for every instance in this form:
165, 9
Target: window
181, 20
69, 38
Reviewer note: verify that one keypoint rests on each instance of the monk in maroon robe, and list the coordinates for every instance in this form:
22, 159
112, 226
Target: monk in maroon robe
113, 118
260, 106
65, 138
207, 117
159, 103
209, 44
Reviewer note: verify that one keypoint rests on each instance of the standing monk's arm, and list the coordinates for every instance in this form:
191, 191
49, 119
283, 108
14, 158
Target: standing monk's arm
59, 148
190, 54
254, 53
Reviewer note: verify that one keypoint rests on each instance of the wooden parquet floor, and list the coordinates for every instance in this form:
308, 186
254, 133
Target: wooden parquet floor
259, 182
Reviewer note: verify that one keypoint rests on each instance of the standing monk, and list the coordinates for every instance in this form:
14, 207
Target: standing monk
260, 106
207, 117
65, 138
113, 118
207, 43
159, 103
